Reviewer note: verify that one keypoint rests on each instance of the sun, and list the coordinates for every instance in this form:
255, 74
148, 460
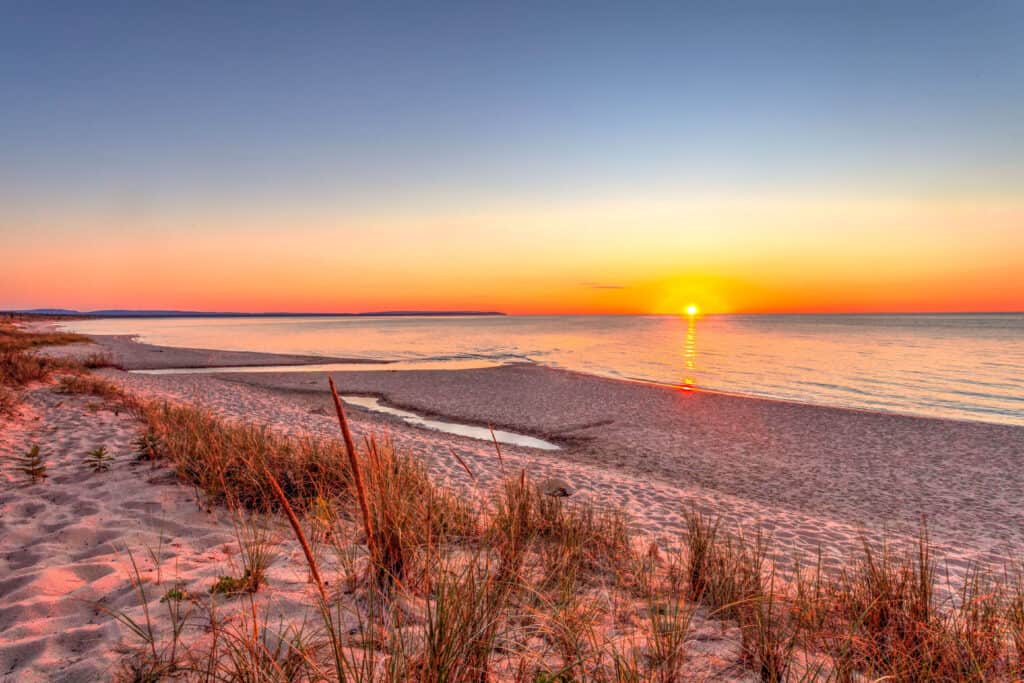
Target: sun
692, 310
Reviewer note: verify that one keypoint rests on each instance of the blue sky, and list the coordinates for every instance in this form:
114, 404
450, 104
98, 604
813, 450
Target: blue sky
197, 112
210, 100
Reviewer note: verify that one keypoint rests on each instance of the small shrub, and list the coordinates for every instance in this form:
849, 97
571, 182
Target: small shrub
177, 593
1015, 623
99, 459
230, 585
19, 368
147, 446
32, 465
463, 622
228, 461
99, 359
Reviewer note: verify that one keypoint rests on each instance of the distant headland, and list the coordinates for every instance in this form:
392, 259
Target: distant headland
131, 313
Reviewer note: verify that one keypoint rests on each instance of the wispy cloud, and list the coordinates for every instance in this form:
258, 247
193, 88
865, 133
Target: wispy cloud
600, 285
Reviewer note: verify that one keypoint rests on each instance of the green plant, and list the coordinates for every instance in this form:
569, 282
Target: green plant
257, 549
99, 459
32, 465
159, 658
230, 585
176, 593
147, 446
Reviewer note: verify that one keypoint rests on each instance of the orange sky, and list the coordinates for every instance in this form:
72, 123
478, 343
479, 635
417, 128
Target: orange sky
558, 158
617, 255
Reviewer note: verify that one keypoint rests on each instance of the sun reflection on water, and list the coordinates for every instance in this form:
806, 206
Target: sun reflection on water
690, 355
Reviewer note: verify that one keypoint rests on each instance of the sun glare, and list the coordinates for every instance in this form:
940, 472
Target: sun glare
692, 310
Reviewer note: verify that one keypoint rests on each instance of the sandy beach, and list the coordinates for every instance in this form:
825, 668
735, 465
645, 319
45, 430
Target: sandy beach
815, 478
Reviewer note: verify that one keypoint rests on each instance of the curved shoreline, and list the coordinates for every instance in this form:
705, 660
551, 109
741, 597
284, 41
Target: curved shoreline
854, 394
746, 458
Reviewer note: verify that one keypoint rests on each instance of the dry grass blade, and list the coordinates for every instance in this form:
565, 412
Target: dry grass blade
497, 449
353, 458
299, 534
463, 463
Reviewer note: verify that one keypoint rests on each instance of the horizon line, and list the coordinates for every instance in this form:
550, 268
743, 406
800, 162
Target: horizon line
177, 313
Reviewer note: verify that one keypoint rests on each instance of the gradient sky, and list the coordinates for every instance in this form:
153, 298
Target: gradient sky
528, 157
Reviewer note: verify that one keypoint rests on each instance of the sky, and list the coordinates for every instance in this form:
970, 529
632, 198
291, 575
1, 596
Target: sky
525, 157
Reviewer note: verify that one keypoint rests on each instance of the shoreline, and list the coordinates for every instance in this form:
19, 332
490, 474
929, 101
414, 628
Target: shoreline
134, 355
854, 392
749, 458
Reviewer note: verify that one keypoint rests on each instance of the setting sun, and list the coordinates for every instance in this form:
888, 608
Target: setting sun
692, 310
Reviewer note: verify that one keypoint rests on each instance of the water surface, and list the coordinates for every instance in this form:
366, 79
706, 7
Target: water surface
965, 366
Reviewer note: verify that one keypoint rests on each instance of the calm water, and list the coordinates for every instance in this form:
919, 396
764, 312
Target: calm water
959, 366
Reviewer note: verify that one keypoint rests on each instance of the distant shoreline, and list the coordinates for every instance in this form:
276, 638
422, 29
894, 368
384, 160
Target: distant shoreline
117, 313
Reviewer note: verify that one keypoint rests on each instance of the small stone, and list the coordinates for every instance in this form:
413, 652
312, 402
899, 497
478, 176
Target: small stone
556, 488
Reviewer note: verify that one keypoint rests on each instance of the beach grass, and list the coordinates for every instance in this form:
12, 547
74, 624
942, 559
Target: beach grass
21, 364
507, 583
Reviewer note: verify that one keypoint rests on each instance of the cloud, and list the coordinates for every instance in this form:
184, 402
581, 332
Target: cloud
598, 285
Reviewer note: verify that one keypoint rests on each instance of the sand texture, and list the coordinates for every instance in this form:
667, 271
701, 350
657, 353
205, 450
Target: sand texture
814, 477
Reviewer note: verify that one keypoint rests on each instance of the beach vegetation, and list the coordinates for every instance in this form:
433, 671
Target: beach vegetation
8, 401
230, 585
178, 592
14, 338
99, 459
160, 657
258, 548
147, 446
20, 364
412, 580
89, 385
32, 464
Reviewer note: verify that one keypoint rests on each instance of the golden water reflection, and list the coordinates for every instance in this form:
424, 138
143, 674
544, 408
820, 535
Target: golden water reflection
690, 355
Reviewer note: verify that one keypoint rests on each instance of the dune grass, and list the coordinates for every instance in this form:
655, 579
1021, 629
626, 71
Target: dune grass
13, 338
453, 584
21, 364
